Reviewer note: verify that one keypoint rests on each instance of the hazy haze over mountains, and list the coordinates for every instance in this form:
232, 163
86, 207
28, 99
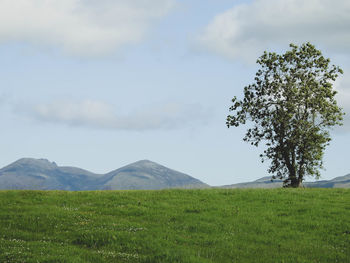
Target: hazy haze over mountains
41, 174
265, 182
148, 175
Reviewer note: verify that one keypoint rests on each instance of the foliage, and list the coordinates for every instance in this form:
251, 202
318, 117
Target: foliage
292, 107
214, 225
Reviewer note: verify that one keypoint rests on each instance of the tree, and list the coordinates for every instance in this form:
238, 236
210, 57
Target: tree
292, 107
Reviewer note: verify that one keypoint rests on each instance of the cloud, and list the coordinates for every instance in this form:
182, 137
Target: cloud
80, 27
2, 99
100, 115
245, 30
6, 98
342, 86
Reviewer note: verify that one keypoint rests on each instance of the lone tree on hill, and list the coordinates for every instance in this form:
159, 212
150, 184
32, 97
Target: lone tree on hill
292, 107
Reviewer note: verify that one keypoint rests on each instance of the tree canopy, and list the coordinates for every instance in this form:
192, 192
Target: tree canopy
291, 106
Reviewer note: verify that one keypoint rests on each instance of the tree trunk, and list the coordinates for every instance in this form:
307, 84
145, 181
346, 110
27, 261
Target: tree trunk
295, 182
292, 180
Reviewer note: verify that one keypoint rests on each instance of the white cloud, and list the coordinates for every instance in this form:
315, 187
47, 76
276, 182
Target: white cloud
80, 27
247, 29
100, 115
6, 98
342, 86
2, 99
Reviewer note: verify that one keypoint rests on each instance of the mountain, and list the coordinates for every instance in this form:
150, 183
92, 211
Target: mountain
148, 175
338, 182
265, 182
41, 174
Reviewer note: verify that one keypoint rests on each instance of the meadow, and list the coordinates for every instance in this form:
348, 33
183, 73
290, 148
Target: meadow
211, 225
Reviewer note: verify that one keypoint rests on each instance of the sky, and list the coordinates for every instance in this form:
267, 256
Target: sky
99, 84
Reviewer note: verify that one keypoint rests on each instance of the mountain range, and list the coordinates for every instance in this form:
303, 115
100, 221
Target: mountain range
265, 182
41, 174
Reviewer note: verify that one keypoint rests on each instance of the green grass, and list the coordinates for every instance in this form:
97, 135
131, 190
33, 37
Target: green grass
279, 225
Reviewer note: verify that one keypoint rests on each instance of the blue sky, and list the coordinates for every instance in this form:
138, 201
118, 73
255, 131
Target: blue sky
100, 84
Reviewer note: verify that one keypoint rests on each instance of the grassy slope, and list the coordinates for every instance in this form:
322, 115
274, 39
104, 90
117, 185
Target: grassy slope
216, 225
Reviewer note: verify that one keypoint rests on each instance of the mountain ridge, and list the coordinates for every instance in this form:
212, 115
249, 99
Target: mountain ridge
266, 182
41, 174
145, 174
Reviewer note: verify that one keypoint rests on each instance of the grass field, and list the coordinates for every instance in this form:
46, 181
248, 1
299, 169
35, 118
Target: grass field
215, 225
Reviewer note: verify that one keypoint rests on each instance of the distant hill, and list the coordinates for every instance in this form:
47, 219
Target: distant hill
265, 182
338, 182
148, 175
41, 174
